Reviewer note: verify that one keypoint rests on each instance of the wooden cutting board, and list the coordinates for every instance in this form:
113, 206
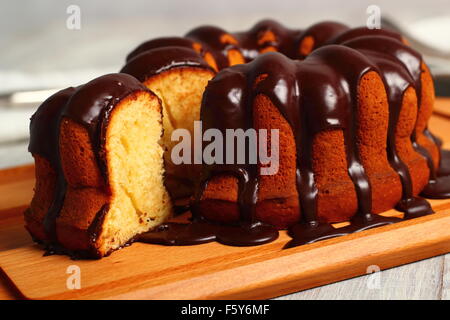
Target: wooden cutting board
210, 270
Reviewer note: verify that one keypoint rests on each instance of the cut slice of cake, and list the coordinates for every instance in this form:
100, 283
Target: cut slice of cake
110, 161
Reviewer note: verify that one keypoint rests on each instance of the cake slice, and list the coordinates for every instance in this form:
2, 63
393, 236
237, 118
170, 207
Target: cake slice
109, 158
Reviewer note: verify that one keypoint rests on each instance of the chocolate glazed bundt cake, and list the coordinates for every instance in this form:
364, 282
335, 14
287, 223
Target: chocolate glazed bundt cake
351, 107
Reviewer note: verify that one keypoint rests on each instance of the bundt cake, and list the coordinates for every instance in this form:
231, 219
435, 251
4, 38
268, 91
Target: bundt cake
99, 167
351, 107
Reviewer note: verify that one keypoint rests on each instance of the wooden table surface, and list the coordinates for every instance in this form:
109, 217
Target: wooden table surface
426, 279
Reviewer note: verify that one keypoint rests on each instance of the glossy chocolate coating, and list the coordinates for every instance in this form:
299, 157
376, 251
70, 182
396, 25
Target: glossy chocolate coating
160, 43
44, 126
211, 38
91, 106
44, 141
155, 61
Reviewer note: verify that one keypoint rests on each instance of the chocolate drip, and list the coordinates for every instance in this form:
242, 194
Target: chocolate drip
44, 141
239, 117
155, 61
347, 67
304, 233
399, 68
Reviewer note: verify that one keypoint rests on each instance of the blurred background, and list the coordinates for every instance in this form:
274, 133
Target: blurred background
38, 51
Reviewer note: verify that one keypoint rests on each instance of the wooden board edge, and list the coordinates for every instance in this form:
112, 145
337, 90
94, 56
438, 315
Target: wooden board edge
398, 248
16, 173
290, 270
8, 290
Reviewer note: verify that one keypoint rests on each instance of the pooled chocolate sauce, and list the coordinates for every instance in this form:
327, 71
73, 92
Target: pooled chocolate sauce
44, 126
286, 40
181, 234
304, 233
200, 231
444, 164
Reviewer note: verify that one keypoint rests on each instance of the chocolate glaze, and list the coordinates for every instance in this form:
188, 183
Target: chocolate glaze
308, 109
44, 141
321, 33
336, 68
160, 43
44, 126
286, 40
89, 105
399, 67
211, 38
354, 33
155, 61
92, 104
